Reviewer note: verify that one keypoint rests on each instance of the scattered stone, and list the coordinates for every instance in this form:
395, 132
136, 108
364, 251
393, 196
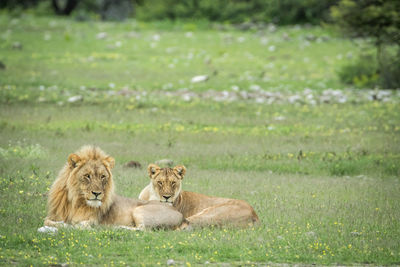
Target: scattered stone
286, 37
17, 45
355, 233
133, 164
280, 118
133, 35
272, 27
294, 98
48, 230
156, 37
199, 78
310, 37
271, 48
311, 234
101, 35
75, 98
170, 262
325, 38
2, 66
165, 162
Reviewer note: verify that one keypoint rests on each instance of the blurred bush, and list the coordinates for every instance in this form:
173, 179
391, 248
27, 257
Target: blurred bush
379, 22
363, 73
230, 11
237, 11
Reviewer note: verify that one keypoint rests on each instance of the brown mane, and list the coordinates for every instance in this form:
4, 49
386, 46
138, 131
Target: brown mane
65, 202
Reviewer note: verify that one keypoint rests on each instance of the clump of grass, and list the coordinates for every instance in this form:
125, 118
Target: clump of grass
22, 151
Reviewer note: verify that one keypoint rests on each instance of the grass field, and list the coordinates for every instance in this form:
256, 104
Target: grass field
323, 177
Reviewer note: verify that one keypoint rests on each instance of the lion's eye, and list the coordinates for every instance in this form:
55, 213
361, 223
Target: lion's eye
87, 176
173, 184
159, 183
103, 177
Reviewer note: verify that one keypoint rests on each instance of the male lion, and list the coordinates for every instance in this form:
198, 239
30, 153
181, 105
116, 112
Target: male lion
83, 195
198, 210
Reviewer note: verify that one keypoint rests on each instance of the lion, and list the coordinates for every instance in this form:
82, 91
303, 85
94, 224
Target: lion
83, 195
197, 209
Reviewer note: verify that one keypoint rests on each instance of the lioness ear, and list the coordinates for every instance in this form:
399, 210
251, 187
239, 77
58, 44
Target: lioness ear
152, 169
181, 170
73, 160
110, 161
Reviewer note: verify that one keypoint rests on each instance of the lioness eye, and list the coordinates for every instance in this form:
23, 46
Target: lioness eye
173, 183
159, 183
103, 177
87, 176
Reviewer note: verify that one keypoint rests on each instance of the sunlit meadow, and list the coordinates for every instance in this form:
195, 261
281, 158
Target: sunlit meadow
269, 123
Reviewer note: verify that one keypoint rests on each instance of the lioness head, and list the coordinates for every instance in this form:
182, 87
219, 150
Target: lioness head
90, 176
166, 182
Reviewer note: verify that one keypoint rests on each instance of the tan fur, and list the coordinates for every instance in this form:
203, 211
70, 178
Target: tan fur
83, 195
198, 209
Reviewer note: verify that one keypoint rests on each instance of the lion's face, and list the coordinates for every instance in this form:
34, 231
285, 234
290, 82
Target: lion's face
166, 182
92, 178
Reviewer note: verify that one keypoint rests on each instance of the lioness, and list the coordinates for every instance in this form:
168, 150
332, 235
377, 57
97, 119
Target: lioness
198, 209
83, 195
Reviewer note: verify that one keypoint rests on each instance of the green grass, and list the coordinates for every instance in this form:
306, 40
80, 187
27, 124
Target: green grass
335, 202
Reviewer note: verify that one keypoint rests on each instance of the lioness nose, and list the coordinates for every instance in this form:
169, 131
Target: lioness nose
96, 194
166, 197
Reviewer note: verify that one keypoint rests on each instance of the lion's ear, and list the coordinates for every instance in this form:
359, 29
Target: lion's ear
73, 160
152, 169
181, 170
110, 162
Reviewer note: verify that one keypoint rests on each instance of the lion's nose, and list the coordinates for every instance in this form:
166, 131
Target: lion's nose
166, 197
96, 194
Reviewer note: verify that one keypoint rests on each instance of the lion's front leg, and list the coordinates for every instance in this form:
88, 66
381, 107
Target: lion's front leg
57, 224
87, 224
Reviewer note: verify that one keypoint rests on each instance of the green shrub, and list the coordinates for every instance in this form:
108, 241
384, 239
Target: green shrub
362, 73
365, 72
238, 11
379, 22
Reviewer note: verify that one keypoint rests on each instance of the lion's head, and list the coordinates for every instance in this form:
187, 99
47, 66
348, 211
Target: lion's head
90, 176
166, 182
84, 187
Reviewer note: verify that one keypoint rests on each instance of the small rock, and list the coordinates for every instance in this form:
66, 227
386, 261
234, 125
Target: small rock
280, 118
47, 230
75, 98
165, 162
294, 98
199, 78
286, 37
2, 66
311, 37
17, 45
133, 164
272, 27
170, 262
311, 234
156, 37
271, 48
101, 35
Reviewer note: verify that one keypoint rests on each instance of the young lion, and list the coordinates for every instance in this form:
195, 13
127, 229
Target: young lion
198, 210
83, 195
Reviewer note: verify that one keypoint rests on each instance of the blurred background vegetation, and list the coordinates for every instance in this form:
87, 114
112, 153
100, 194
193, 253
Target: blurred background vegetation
377, 21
